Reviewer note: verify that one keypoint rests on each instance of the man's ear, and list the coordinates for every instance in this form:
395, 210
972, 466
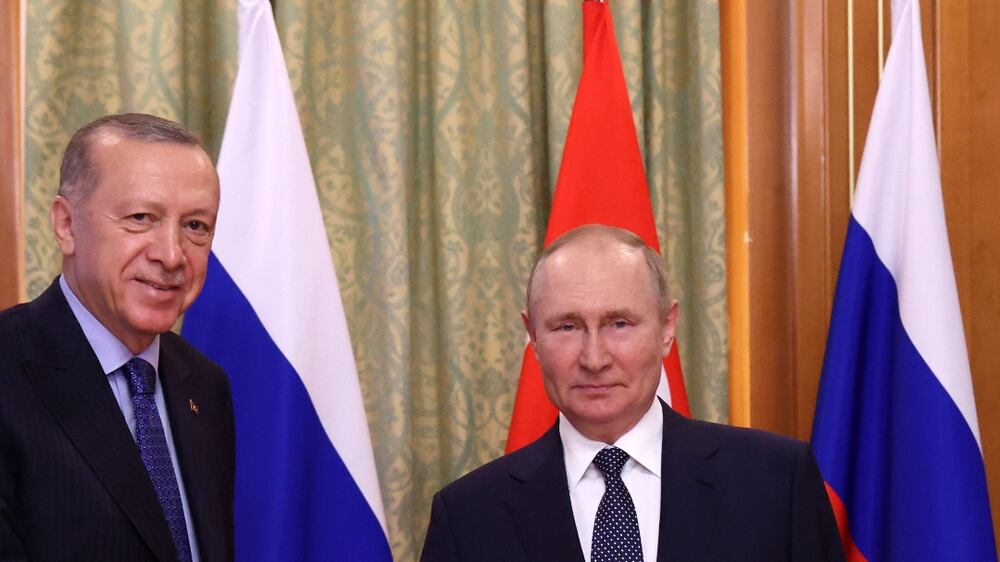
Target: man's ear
527, 326
531, 331
670, 327
61, 217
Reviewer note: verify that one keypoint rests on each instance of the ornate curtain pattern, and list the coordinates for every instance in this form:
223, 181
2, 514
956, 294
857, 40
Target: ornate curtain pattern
435, 130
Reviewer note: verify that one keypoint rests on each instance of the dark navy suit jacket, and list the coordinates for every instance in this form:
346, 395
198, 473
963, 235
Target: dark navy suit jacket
727, 494
72, 482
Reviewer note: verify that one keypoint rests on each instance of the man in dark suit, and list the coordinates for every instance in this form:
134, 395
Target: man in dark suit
621, 476
116, 436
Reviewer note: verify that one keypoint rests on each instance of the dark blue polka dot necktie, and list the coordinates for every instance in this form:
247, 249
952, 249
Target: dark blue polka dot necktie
616, 528
155, 454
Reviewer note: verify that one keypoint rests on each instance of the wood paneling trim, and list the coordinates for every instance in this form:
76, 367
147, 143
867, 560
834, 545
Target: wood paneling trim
733, 26
791, 187
11, 153
769, 67
756, 106
818, 181
865, 60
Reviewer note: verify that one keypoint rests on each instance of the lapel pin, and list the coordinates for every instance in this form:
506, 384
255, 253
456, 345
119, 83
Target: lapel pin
193, 406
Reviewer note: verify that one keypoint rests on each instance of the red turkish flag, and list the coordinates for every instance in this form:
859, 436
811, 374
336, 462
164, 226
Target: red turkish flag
601, 180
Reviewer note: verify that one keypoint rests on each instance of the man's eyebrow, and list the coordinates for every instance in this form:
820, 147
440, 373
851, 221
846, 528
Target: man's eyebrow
200, 211
126, 204
619, 312
563, 317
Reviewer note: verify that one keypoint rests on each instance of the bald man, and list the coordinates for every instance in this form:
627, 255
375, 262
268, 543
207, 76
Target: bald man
620, 476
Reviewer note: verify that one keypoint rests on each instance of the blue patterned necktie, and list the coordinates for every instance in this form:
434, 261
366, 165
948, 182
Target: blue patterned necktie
616, 527
155, 454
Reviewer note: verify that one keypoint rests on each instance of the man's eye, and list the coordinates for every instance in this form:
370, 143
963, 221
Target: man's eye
139, 217
566, 327
620, 323
197, 226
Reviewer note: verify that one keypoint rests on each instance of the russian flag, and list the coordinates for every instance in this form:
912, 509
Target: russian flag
271, 315
896, 433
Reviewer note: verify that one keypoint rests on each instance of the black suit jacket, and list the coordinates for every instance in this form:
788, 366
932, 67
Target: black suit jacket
726, 494
72, 482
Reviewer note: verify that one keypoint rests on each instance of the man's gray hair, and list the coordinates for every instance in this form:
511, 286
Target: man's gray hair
78, 173
626, 238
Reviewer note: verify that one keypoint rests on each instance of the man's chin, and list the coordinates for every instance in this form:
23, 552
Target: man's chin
598, 412
154, 322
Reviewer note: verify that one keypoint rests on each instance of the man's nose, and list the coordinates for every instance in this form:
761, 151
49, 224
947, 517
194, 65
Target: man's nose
594, 356
168, 247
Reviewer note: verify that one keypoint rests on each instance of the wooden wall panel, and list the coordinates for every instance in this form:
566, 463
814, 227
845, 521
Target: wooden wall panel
11, 155
807, 76
756, 44
796, 202
768, 217
821, 175
864, 59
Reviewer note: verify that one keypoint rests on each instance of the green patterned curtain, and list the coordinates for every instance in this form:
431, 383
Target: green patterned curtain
435, 130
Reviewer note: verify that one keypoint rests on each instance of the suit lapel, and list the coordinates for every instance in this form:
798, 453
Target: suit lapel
69, 379
540, 505
194, 447
689, 491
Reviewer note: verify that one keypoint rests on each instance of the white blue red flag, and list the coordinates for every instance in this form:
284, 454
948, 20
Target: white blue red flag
896, 432
271, 315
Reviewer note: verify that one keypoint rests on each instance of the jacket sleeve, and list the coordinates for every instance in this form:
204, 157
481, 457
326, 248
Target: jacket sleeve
439, 546
11, 545
814, 529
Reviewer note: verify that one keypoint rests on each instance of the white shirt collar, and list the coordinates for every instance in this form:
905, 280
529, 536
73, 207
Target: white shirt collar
110, 351
643, 443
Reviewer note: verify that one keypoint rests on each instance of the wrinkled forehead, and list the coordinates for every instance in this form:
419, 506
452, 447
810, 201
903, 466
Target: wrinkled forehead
161, 157
157, 171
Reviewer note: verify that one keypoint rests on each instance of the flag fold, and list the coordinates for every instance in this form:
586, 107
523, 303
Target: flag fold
271, 315
896, 433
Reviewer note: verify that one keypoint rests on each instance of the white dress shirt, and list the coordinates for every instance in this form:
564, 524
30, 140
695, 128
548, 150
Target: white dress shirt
112, 354
641, 474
